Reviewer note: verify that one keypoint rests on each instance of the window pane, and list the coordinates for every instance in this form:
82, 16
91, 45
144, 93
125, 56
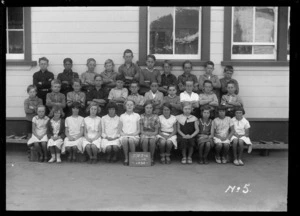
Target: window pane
264, 24
15, 17
161, 30
263, 49
241, 49
186, 30
243, 24
15, 39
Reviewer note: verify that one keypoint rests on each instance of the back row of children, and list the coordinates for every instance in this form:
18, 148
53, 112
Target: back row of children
147, 132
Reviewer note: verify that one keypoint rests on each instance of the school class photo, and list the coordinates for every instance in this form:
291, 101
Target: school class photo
197, 95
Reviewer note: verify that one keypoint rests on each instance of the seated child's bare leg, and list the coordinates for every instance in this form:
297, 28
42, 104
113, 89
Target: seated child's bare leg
201, 150
58, 159
94, 151
45, 152
152, 147
183, 151
162, 147
145, 144
218, 149
108, 153
53, 153
74, 148
234, 148
206, 150
89, 151
115, 150
241, 149
125, 146
190, 151
131, 144
169, 146
226, 147
68, 149
39, 150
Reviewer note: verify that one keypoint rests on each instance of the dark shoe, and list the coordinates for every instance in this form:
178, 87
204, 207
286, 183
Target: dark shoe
206, 161
152, 163
200, 161
90, 161
126, 163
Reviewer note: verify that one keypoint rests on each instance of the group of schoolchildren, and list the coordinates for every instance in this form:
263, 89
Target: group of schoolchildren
135, 109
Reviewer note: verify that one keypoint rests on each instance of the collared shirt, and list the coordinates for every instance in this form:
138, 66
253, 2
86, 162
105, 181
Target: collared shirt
110, 126
224, 82
44, 78
221, 126
175, 100
149, 76
149, 123
76, 97
131, 72
213, 78
231, 98
205, 96
130, 122
34, 102
169, 79
186, 97
40, 125
118, 93
182, 119
107, 76
158, 96
167, 125
53, 97
137, 98
97, 94
74, 124
184, 77
240, 125
67, 76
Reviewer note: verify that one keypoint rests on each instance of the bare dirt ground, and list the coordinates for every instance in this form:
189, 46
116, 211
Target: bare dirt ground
261, 185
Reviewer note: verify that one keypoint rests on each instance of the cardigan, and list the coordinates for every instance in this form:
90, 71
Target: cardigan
61, 132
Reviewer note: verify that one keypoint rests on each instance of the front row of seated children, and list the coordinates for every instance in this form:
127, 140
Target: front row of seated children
108, 134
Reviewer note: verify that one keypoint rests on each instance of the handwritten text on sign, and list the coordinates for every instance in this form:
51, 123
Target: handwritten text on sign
139, 159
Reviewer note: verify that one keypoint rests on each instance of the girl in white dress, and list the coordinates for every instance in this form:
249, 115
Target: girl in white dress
110, 133
129, 130
39, 138
56, 133
240, 136
92, 133
74, 133
167, 133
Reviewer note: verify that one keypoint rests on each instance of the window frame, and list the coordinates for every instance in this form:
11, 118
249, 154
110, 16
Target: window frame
27, 42
281, 54
204, 39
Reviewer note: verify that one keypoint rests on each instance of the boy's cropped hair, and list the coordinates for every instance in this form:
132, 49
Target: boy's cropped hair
41, 105
222, 107
189, 81
55, 109
98, 75
135, 82
186, 103
111, 105
76, 80
187, 62
109, 61
31, 87
148, 102
68, 60
151, 56
128, 51
209, 63
172, 85
75, 105
166, 62
55, 81
89, 60
127, 100
230, 82
153, 82
228, 68
207, 81
43, 59
239, 109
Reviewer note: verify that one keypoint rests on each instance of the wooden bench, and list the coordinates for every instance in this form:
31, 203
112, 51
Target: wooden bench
24, 141
265, 148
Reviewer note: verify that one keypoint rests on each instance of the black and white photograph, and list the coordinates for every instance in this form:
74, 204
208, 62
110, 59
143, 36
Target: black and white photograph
147, 108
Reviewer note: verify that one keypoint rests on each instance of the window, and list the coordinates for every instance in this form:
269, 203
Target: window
254, 33
255, 36
18, 36
15, 33
175, 33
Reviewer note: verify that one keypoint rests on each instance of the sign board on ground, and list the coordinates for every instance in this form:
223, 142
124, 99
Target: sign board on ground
139, 159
